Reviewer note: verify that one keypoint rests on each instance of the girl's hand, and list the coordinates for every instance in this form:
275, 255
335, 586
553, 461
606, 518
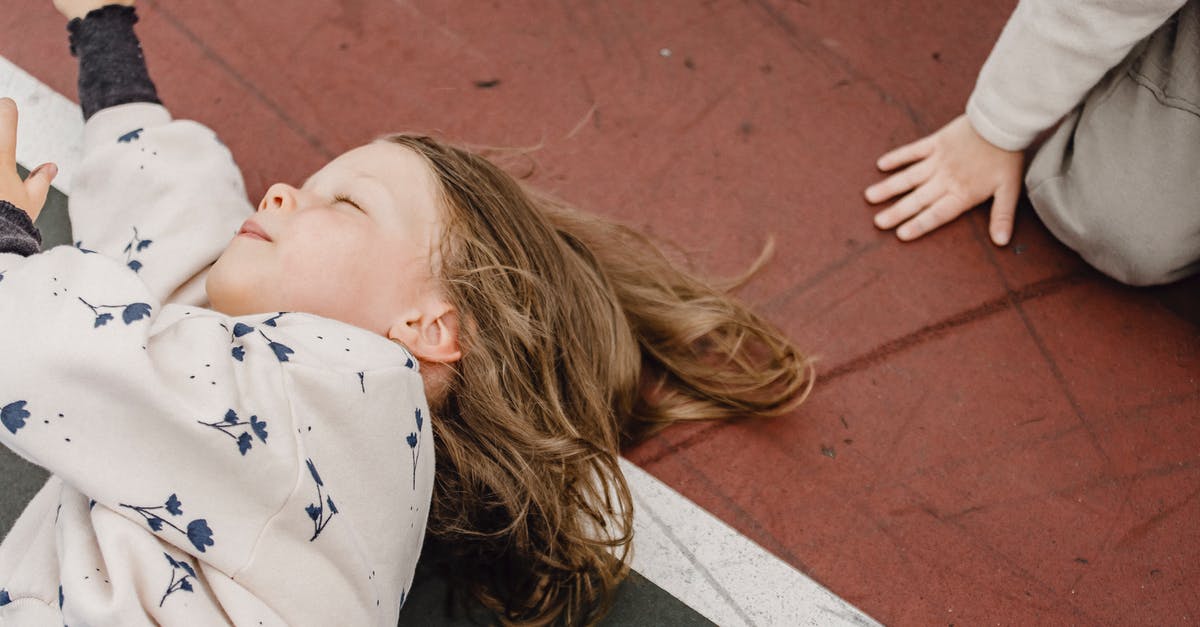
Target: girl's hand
72, 9
29, 194
954, 170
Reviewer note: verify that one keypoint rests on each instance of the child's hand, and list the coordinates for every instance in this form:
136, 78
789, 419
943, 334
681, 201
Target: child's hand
72, 9
955, 170
29, 194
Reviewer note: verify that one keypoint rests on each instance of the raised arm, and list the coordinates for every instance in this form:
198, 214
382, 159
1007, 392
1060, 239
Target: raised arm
78, 332
162, 196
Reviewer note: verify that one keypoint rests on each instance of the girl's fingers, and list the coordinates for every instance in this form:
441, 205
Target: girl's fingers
37, 185
943, 210
908, 206
8, 133
1004, 207
906, 154
900, 182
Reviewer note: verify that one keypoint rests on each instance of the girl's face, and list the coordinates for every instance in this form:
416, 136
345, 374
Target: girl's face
353, 243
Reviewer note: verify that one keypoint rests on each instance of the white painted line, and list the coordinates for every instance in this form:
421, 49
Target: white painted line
49, 125
683, 549
717, 571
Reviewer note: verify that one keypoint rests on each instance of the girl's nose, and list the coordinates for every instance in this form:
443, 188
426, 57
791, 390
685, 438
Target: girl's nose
279, 196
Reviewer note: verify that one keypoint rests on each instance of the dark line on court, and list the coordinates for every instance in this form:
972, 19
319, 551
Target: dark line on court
1119, 415
984, 241
823, 274
247, 85
1039, 289
684, 444
1010, 299
804, 40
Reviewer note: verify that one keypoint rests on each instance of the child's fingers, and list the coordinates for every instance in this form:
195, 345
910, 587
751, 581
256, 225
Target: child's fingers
907, 207
943, 210
1004, 208
8, 133
906, 154
37, 184
900, 182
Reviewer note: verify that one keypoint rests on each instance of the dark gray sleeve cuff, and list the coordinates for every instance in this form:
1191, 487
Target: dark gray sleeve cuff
17, 232
112, 70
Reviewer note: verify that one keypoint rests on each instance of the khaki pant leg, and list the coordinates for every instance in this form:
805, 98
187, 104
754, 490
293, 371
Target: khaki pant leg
1119, 180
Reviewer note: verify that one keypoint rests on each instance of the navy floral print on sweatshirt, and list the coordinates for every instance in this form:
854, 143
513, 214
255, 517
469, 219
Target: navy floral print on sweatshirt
197, 532
317, 511
414, 445
141, 245
13, 416
181, 583
232, 422
241, 329
135, 134
129, 313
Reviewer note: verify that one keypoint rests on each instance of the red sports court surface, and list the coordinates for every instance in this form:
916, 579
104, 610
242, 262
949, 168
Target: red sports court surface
997, 435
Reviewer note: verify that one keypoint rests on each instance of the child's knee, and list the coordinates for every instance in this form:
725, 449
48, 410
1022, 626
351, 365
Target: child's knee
1124, 244
1138, 266
1138, 228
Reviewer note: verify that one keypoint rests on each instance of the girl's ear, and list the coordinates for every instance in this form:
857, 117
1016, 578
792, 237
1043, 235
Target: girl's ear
431, 335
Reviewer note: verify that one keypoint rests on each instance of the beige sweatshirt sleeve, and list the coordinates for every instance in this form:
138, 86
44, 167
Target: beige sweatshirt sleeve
162, 196
289, 455
119, 403
1050, 53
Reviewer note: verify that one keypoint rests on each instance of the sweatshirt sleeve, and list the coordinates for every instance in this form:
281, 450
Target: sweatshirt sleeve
162, 196
1050, 53
150, 417
263, 445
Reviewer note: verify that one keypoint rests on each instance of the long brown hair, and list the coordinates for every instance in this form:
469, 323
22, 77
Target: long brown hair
578, 334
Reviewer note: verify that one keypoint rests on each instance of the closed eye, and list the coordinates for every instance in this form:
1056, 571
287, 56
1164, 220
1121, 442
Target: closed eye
346, 199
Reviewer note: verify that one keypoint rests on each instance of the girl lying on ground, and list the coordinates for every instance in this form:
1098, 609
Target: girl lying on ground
245, 430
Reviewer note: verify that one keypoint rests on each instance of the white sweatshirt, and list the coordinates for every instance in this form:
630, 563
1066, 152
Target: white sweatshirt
266, 469
1050, 53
